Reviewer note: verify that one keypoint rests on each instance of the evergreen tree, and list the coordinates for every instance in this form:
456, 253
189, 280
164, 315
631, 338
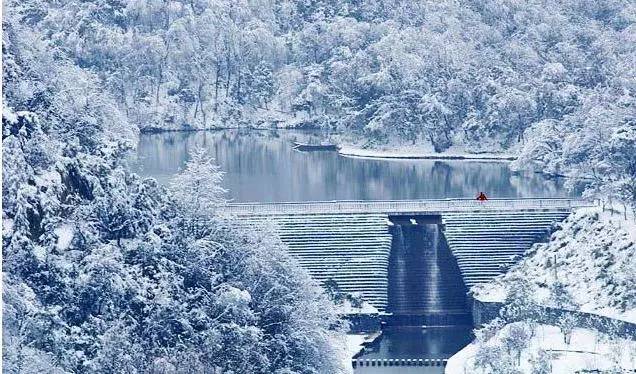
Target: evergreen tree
198, 187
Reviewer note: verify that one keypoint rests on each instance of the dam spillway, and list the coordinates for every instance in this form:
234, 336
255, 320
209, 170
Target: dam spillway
424, 279
339, 241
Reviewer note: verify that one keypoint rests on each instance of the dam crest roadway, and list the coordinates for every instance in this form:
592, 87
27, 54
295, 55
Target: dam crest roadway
429, 206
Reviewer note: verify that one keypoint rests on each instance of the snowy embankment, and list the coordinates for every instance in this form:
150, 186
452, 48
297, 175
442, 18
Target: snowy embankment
250, 118
354, 344
589, 264
528, 349
347, 308
410, 153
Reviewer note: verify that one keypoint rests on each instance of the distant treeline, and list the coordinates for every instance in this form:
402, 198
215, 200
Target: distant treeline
554, 80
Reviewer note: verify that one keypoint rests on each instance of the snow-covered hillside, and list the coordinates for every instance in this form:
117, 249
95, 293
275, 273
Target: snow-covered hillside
589, 264
523, 348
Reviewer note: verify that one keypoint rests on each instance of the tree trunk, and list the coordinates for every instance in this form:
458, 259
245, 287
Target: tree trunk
161, 65
159, 84
199, 102
229, 75
200, 95
238, 86
216, 86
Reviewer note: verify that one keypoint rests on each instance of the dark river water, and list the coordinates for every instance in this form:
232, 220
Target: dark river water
415, 342
262, 166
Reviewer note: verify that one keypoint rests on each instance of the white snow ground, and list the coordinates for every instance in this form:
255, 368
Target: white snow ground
353, 345
588, 350
65, 235
419, 153
365, 308
593, 255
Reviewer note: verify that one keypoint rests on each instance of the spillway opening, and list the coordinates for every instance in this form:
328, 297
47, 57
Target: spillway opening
425, 284
430, 314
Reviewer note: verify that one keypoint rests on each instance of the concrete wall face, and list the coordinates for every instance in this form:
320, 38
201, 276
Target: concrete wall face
424, 278
415, 258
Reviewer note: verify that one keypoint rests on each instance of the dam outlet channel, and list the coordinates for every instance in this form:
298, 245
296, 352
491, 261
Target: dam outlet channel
430, 317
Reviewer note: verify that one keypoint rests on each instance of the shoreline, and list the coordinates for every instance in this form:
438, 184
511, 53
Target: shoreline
152, 131
354, 152
158, 130
412, 155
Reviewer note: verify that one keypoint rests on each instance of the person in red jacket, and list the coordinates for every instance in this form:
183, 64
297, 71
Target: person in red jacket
482, 197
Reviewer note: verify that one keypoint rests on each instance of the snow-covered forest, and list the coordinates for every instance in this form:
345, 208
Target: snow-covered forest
104, 271
551, 80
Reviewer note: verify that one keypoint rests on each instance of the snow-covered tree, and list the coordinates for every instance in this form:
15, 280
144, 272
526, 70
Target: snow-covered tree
566, 323
198, 187
493, 358
519, 304
516, 338
622, 148
541, 362
560, 296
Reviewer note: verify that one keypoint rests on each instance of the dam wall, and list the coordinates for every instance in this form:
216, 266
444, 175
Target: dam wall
402, 263
424, 279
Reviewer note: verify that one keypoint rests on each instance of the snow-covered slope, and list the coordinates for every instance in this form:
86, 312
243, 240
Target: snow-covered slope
589, 264
522, 348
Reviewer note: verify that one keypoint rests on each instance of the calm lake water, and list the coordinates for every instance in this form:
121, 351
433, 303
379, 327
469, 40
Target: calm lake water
262, 166
419, 342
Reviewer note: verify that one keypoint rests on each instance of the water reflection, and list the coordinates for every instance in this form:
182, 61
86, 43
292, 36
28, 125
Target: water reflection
411, 342
419, 342
262, 166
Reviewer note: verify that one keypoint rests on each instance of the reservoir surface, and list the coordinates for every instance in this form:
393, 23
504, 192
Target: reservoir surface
262, 166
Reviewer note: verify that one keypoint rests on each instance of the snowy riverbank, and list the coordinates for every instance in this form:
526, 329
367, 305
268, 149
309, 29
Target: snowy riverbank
586, 265
354, 344
247, 118
409, 153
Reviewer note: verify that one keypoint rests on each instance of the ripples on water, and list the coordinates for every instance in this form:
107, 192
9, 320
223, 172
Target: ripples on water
262, 166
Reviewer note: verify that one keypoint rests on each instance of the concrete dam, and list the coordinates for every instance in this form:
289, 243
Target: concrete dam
425, 285
413, 259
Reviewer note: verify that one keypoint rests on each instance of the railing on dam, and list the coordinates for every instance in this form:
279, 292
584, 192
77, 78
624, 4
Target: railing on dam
404, 206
